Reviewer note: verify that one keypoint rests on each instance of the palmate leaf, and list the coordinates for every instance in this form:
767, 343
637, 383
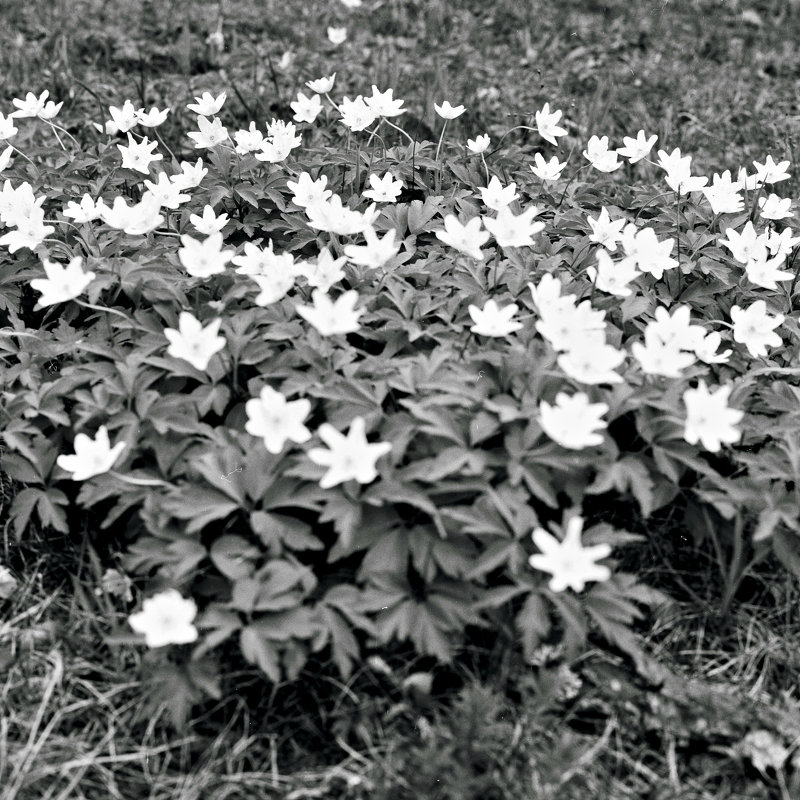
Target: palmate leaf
198, 505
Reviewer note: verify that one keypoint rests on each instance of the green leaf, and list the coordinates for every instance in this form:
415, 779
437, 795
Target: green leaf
233, 556
21, 510
259, 650
533, 622
627, 474
47, 507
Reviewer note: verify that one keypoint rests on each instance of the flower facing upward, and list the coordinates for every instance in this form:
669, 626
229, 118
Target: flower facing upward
330, 317
754, 327
466, 237
167, 193
746, 245
272, 418
446, 111
723, 194
210, 133
546, 124
605, 231
348, 457
599, 156
706, 349
479, 144
194, 343
7, 127
31, 106
207, 105
678, 169
209, 223
383, 104
307, 191
62, 283
337, 35
514, 230
781, 244
139, 155
306, 109
356, 114
87, 210
613, 277
376, 252
92, 456
334, 216
573, 422
496, 196
767, 271
638, 148
592, 363
770, 172
708, 418
166, 618
191, 175
323, 272
322, 85
206, 258
385, 189
570, 564
249, 141
547, 170
648, 253
152, 118
774, 207
126, 117
494, 321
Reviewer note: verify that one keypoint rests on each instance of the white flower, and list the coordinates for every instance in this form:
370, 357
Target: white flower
166, 192
754, 327
657, 358
592, 362
352, 3
546, 124
31, 232
5, 157
209, 223
479, 144
206, 258
274, 287
356, 114
62, 283
329, 317
383, 104
92, 456
647, 252
766, 272
746, 245
605, 231
676, 329
708, 418
548, 293
87, 210
322, 85
723, 195
8, 583
781, 244
678, 169
337, 35
567, 326
706, 349
770, 172
211, 133
638, 148
467, 238
272, 418
497, 197
547, 170
612, 277
248, 141
31, 106
349, 457
376, 252
153, 118
139, 155
166, 618
774, 207
50, 110
446, 111
136, 220
194, 343
323, 272
385, 189
514, 230
191, 175
307, 191
765, 750
600, 157
7, 127
494, 321
573, 422
335, 217
207, 105
570, 564
306, 109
